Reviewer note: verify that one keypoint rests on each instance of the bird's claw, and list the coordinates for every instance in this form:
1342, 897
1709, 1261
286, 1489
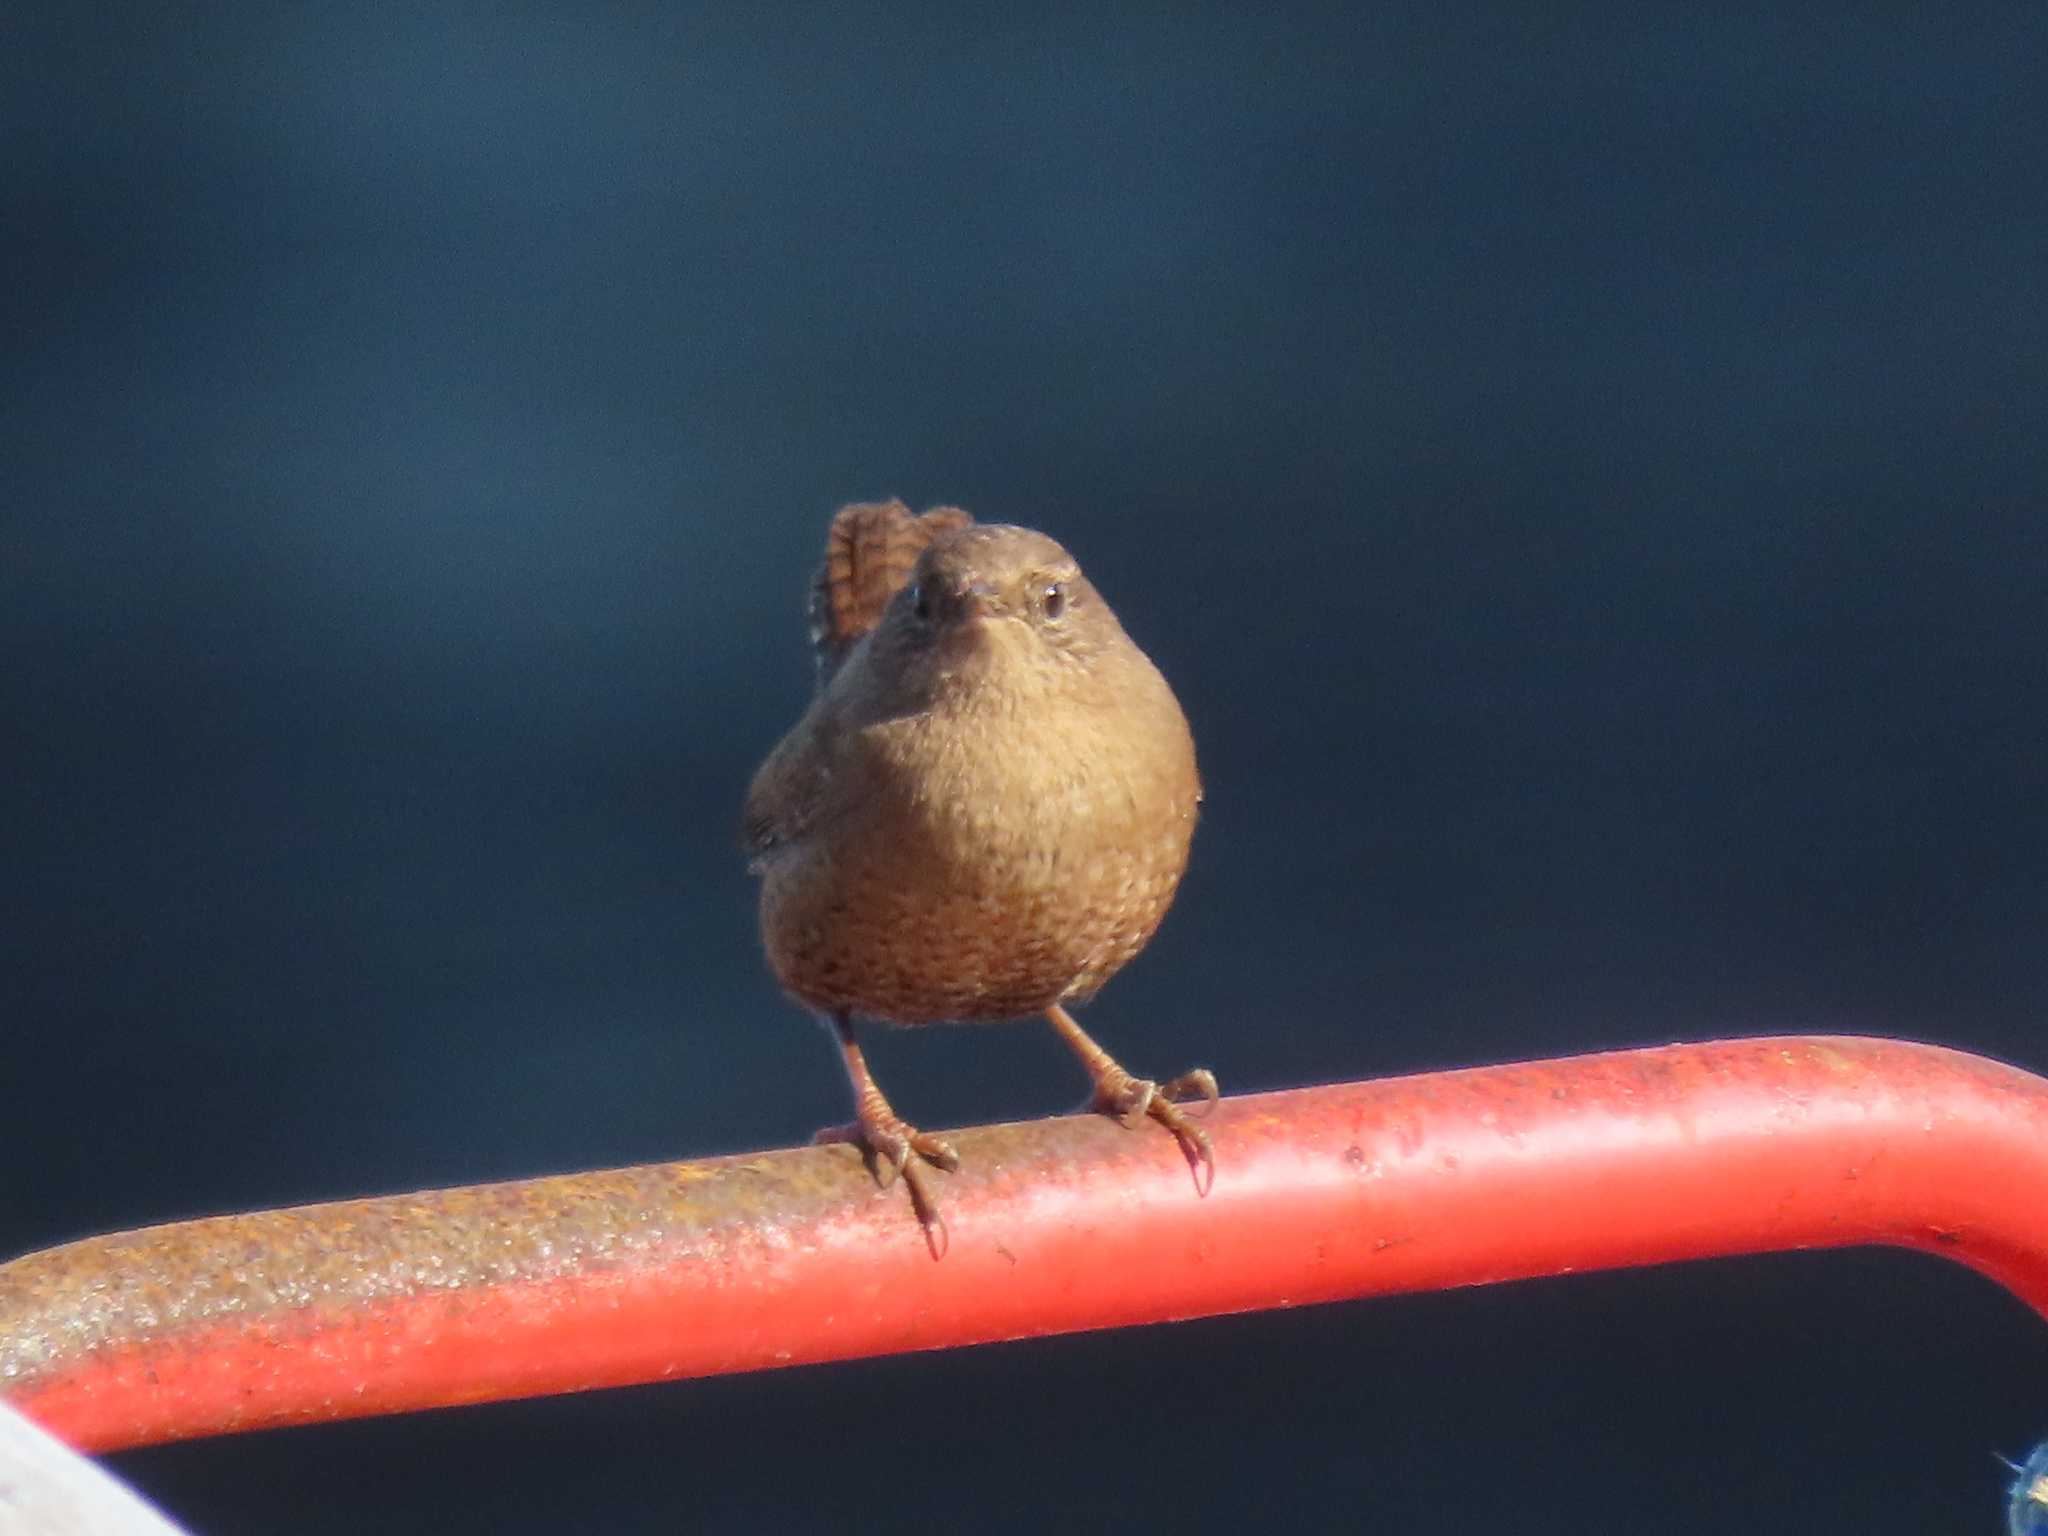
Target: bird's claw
1127, 1101
1130, 1101
889, 1144
1200, 1083
1194, 1142
935, 1150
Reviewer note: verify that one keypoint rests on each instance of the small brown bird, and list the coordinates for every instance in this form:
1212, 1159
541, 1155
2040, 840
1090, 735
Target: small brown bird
984, 812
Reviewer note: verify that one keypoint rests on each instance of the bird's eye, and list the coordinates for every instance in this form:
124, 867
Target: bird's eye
921, 603
1052, 599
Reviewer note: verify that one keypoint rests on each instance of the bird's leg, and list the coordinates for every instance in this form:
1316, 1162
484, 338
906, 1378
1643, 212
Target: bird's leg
888, 1138
1130, 1099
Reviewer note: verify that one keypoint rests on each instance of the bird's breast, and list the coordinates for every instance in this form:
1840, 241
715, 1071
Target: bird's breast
985, 866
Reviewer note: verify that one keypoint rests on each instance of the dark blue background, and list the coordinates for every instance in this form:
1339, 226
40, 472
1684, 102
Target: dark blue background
1583, 472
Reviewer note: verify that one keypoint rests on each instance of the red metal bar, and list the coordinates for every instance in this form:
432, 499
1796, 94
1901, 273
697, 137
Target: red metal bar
739, 1263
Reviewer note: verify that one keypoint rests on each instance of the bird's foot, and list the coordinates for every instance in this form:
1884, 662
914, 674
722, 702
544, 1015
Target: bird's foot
890, 1140
893, 1147
1132, 1100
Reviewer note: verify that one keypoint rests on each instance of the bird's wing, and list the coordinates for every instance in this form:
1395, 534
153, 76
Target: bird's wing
870, 551
788, 794
772, 803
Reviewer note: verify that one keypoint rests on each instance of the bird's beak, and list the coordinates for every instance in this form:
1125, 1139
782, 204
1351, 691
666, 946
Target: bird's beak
970, 632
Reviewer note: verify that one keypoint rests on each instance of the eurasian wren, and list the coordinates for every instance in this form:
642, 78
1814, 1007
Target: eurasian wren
984, 812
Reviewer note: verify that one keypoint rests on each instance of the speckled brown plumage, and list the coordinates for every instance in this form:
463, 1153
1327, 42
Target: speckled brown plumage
986, 810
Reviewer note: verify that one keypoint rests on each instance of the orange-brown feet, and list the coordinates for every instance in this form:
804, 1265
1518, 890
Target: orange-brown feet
888, 1144
889, 1141
1132, 1100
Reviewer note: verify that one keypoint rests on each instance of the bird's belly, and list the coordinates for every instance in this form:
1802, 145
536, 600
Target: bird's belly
926, 922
